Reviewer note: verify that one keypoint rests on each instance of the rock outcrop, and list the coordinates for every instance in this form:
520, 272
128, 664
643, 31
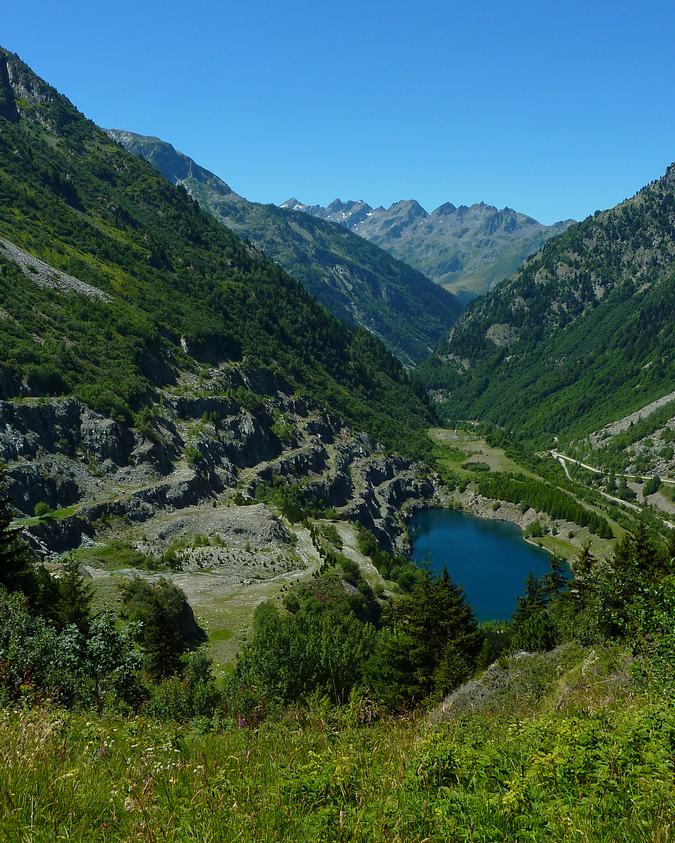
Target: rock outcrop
200, 450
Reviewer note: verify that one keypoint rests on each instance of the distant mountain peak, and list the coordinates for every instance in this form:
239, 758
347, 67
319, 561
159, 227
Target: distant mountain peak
409, 206
466, 248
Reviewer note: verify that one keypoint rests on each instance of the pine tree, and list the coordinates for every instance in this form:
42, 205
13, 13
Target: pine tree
431, 644
533, 601
532, 627
583, 567
555, 581
17, 570
73, 604
166, 626
645, 551
584, 562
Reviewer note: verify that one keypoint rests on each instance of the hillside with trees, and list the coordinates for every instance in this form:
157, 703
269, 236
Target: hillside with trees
114, 282
357, 281
578, 337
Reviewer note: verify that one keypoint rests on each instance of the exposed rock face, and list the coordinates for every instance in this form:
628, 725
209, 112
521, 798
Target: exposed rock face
8, 108
47, 276
201, 453
501, 334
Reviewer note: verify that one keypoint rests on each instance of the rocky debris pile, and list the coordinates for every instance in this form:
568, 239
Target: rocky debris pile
47, 276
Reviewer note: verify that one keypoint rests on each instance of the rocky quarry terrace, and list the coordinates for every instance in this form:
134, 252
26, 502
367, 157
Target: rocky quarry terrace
192, 467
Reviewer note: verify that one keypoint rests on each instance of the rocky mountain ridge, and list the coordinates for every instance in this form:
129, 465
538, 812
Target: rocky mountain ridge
202, 449
467, 249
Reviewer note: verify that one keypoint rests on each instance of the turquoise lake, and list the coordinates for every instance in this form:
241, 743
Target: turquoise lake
489, 559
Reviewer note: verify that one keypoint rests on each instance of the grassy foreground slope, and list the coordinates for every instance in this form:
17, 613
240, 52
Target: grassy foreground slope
139, 284
566, 752
562, 729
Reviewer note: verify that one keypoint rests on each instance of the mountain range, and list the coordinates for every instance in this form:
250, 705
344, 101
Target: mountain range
355, 279
212, 623
466, 249
116, 285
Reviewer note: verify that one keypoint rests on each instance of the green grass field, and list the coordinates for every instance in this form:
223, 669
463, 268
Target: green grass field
454, 448
568, 751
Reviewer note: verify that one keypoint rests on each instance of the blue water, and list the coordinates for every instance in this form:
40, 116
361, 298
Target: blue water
489, 559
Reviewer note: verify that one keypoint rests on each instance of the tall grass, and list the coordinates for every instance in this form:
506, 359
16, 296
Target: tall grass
580, 765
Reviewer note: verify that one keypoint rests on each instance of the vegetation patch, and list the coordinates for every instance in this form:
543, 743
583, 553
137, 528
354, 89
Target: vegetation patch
536, 494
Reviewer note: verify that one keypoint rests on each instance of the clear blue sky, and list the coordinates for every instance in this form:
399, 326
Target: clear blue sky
556, 109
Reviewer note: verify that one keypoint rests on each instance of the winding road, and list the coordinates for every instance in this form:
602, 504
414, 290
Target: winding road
563, 459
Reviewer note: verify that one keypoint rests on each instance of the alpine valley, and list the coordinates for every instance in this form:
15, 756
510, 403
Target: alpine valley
357, 281
218, 422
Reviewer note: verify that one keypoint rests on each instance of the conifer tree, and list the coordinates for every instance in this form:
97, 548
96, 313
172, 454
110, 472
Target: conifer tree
532, 627
430, 645
74, 600
17, 571
554, 582
581, 584
533, 601
584, 562
166, 626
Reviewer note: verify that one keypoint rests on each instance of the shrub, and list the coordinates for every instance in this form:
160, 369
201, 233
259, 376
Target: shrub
652, 485
476, 466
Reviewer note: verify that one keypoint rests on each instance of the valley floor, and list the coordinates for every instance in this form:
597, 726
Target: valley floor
465, 458
224, 599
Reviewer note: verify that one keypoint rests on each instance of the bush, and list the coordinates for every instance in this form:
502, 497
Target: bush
189, 694
652, 485
165, 625
330, 533
535, 530
476, 466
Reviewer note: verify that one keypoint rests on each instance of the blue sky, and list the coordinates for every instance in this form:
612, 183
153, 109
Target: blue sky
556, 109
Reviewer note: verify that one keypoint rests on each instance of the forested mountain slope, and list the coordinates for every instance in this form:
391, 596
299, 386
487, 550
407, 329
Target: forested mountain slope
158, 288
467, 249
581, 335
357, 281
